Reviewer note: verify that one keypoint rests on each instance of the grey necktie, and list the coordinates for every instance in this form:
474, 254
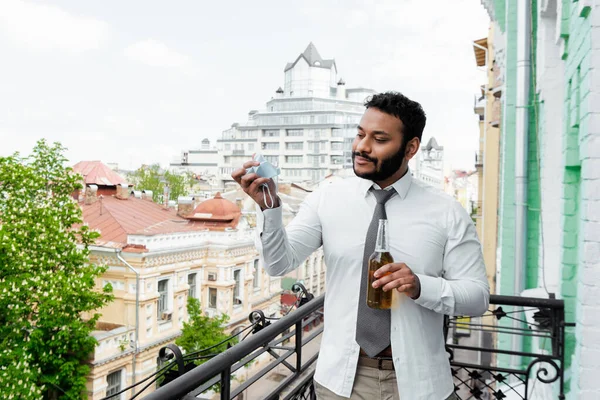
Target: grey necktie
373, 326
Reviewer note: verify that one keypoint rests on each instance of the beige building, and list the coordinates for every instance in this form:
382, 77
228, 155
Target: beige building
487, 160
158, 257
312, 272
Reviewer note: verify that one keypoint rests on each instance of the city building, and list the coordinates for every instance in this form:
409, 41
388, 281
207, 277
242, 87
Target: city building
158, 257
306, 128
312, 272
549, 185
428, 164
202, 162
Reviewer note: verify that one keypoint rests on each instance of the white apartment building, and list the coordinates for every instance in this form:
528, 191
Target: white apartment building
428, 164
202, 162
306, 128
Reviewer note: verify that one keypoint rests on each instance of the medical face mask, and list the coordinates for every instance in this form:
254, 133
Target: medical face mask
265, 170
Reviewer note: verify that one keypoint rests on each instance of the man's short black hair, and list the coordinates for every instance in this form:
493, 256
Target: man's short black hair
410, 112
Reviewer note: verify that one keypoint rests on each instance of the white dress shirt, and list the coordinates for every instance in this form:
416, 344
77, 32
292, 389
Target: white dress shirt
429, 231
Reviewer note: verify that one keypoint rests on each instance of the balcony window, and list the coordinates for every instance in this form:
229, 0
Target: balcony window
237, 290
272, 159
113, 381
294, 146
212, 298
294, 132
337, 146
192, 282
256, 281
270, 146
271, 133
163, 299
294, 159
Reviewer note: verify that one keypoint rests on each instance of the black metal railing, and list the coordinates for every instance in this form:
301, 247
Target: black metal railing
478, 369
513, 373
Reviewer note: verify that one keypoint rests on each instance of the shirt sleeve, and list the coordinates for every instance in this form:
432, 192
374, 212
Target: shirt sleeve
284, 249
463, 288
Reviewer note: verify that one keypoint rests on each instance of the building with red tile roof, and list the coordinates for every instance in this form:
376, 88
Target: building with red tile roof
158, 257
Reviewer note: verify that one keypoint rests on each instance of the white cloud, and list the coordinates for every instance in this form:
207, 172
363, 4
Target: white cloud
44, 27
157, 54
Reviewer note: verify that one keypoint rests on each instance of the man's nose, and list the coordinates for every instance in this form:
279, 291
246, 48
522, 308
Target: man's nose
363, 146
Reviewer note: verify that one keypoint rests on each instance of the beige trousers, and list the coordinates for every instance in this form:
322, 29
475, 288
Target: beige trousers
369, 384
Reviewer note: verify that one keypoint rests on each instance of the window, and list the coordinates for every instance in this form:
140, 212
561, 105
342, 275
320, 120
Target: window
256, 281
294, 132
192, 283
237, 298
337, 160
251, 146
270, 146
294, 159
226, 159
227, 146
114, 383
271, 133
272, 159
212, 298
292, 172
163, 292
294, 146
336, 146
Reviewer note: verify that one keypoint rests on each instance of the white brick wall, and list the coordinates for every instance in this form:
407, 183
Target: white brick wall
551, 83
586, 368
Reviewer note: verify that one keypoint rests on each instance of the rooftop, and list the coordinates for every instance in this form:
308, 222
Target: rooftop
97, 173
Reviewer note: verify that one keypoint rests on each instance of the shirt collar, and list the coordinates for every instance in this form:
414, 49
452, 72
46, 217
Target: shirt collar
402, 185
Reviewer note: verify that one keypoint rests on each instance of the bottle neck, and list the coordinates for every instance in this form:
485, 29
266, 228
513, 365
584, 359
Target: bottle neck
382, 243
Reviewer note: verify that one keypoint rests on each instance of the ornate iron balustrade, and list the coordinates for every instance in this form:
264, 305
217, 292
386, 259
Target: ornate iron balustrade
496, 380
483, 379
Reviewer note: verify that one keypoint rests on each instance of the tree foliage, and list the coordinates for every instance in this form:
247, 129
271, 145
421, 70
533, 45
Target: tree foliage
202, 332
46, 280
152, 178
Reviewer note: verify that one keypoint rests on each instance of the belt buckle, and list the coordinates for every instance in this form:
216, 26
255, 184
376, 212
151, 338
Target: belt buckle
380, 361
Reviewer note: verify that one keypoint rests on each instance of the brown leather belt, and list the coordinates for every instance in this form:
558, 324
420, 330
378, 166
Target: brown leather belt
383, 363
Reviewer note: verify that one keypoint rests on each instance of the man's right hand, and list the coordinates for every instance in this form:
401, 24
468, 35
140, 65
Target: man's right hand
251, 184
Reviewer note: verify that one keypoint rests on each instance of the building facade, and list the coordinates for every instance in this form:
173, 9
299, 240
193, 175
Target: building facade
487, 107
428, 164
549, 224
202, 162
158, 258
306, 128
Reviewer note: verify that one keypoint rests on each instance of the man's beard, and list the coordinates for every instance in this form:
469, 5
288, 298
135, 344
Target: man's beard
386, 169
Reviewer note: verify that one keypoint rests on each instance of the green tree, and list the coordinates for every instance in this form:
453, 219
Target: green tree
152, 178
46, 280
202, 332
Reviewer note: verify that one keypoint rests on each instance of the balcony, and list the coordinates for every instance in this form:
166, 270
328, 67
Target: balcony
479, 371
479, 160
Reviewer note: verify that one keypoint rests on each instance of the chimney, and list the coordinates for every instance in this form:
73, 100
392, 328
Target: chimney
341, 89
185, 206
147, 195
166, 196
122, 191
91, 194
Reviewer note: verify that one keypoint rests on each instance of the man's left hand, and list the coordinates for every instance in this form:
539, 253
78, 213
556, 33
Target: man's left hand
400, 277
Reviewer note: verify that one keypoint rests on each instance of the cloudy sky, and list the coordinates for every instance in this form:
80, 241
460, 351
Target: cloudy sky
137, 81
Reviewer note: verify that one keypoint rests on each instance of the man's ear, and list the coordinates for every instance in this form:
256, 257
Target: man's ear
412, 147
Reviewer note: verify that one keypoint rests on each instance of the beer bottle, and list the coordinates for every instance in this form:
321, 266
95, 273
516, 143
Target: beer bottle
377, 298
